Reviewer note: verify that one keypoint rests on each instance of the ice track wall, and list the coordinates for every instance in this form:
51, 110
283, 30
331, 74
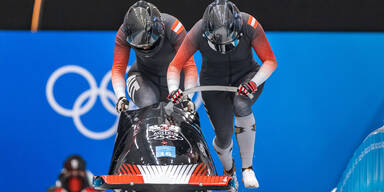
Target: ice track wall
365, 170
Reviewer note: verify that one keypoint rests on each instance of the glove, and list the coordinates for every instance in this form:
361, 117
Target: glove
188, 105
247, 89
176, 96
122, 104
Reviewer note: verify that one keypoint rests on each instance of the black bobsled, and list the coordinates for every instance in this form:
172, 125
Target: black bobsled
161, 148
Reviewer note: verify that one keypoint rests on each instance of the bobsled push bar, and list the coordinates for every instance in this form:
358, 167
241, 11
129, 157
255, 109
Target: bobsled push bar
137, 183
211, 88
169, 106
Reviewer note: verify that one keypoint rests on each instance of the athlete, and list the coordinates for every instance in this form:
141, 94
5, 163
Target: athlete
155, 37
74, 177
225, 37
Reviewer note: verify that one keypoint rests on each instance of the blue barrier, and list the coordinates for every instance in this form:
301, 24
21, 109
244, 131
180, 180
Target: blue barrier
365, 170
327, 86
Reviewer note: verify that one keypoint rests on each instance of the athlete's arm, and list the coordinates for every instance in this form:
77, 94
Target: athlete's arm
189, 66
264, 51
182, 60
120, 63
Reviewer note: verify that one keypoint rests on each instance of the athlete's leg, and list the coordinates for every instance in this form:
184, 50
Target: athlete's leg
245, 130
141, 90
220, 111
219, 108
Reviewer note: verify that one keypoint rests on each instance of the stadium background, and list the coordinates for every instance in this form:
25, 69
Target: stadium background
324, 98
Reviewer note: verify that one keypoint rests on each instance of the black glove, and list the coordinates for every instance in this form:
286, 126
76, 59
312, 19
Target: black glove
122, 104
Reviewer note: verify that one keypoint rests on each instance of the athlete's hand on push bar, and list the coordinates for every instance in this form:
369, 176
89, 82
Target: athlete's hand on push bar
176, 96
188, 105
247, 89
122, 104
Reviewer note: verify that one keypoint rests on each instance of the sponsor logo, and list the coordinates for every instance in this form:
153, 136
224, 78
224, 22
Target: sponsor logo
163, 131
165, 151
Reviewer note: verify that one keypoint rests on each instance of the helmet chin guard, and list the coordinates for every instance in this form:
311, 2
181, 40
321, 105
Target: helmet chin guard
224, 48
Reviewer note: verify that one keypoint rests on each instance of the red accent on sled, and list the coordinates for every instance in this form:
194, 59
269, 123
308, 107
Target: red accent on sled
194, 180
209, 180
200, 170
205, 172
136, 169
128, 169
200, 173
132, 170
125, 169
197, 169
122, 179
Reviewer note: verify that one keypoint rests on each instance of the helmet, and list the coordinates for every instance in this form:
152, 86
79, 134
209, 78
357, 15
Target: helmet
74, 162
222, 25
74, 177
143, 25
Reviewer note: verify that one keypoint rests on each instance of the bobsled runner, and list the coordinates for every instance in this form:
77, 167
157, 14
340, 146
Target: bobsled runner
161, 148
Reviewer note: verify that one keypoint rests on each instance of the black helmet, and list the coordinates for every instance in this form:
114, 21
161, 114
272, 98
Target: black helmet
222, 25
143, 25
74, 162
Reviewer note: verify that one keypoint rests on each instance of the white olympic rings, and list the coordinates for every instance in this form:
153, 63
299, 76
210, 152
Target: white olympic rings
92, 94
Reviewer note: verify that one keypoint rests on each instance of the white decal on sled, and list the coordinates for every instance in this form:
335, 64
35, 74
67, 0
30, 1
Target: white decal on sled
164, 131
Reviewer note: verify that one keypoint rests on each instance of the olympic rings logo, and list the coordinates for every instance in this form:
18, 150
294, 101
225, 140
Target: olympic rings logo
91, 94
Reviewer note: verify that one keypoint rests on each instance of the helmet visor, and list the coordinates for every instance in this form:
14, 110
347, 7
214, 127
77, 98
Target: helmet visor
142, 39
222, 35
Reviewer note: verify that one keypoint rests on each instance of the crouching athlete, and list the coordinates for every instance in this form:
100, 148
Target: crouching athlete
155, 37
225, 37
74, 177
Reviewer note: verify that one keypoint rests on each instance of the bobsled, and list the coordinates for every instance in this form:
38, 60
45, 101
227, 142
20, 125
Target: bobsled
161, 148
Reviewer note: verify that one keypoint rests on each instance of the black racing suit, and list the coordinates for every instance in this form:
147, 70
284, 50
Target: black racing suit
230, 69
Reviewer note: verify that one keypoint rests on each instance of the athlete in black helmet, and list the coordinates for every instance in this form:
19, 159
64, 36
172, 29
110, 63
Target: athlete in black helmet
155, 37
225, 38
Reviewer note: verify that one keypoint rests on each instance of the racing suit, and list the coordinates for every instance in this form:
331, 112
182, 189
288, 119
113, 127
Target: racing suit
229, 69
